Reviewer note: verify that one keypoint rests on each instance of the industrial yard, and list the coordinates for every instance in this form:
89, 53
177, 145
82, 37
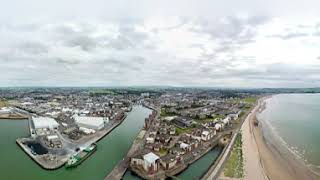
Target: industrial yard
62, 126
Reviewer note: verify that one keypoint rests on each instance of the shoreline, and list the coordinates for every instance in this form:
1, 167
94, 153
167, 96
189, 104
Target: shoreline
276, 162
18, 118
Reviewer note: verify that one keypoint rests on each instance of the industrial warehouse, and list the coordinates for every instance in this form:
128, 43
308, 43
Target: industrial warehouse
62, 132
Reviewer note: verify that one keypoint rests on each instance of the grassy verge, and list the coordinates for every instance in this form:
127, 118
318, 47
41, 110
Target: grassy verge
234, 165
250, 99
3, 103
163, 113
163, 152
183, 130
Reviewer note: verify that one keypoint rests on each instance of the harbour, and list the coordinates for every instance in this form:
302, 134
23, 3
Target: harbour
111, 149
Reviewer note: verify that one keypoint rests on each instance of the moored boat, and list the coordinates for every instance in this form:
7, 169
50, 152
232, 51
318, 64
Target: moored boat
79, 157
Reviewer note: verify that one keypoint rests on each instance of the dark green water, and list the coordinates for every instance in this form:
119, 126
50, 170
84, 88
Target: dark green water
16, 165
294, 120
197, 169
194, 171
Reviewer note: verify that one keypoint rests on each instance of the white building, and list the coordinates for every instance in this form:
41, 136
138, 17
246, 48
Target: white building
226, 120
185, 147
145, 94
86, 130
150, 140
218, 127
151, 162
44, 123
53, 137
95, 123
207, 135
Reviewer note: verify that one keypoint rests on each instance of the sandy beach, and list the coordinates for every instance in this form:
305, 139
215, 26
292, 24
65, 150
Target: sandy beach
252, 164
264, 160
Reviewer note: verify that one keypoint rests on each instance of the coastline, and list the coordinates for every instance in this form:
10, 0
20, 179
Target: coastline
275, 161
253, 168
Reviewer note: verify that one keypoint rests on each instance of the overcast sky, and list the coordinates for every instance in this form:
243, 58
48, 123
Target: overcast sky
229, 43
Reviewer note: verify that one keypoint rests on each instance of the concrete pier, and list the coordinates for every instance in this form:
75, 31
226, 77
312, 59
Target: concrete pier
40, 159
119, 170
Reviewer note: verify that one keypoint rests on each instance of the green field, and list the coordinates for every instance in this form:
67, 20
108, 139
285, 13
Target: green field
183, 130
246, 100
234, 165
163, 113
3, 103
163, 152
250, 99
102, 92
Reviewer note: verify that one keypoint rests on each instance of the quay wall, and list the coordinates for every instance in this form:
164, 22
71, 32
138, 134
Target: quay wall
42, 165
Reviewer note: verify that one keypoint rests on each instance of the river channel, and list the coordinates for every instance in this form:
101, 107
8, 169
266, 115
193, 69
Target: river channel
15, 164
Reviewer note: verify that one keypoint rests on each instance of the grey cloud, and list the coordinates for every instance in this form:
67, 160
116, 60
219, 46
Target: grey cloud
183, 21
120, 43
128, 37
316, 30
32, 47
231, 33
75, 37
85, 42
123, 64
64, 30
290, 35
21, 27
66, 61
139, 60
283, 72
231, 28
103, 59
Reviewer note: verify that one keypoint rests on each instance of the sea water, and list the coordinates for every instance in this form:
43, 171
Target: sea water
295, 120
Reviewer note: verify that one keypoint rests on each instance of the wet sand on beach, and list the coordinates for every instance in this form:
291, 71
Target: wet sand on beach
272, 162
252, 166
